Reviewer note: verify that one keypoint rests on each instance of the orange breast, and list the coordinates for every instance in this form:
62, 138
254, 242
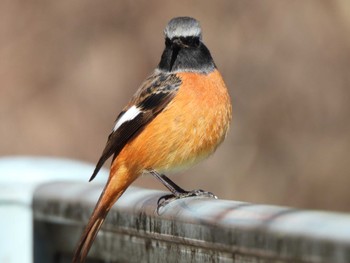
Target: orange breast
189, 129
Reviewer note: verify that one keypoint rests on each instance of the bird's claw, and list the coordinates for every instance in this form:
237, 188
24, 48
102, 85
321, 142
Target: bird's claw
166, 199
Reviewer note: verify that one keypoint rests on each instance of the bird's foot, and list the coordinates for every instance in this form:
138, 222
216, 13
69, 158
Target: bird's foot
166, 199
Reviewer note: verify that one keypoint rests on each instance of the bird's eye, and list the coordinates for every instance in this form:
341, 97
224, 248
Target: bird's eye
196, 41
167, 42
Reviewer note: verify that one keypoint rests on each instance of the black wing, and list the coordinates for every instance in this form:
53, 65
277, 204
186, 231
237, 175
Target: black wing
150, 99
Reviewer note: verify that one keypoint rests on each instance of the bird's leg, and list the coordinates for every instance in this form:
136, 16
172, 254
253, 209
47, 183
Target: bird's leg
177, 191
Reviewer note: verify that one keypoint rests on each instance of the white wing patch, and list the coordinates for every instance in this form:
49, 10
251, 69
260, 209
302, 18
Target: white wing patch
129, 115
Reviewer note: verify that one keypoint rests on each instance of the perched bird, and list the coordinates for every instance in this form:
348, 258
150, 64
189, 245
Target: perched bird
178, 117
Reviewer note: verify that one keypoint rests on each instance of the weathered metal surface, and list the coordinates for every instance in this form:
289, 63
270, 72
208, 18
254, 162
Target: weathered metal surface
187, 230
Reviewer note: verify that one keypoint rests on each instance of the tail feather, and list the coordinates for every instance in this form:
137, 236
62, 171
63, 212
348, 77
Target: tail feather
111, 193
88, 237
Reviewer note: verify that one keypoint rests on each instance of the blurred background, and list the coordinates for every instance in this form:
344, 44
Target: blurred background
67, 68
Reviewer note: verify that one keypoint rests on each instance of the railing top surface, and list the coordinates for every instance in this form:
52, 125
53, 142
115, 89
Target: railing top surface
229, 215
278, 234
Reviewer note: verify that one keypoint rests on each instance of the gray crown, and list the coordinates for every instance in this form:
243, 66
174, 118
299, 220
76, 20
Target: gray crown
183, 27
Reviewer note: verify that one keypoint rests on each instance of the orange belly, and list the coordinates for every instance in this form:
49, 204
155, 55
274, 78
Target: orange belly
189, 129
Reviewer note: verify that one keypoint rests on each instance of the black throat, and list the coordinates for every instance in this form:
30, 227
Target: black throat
190, 58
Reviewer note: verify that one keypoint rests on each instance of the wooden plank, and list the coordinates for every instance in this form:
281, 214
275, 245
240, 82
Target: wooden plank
187, 230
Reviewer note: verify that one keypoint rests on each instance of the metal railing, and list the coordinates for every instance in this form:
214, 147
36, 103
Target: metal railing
19, 177
187, 230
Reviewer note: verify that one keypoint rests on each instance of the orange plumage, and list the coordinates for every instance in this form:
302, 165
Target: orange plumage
188, 130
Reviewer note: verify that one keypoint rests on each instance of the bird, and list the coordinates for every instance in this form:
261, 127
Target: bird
178, 116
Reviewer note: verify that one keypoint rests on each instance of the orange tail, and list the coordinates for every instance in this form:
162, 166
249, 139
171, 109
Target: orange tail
114, 188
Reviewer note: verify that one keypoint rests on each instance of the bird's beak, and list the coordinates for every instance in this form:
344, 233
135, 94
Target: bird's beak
177, 43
